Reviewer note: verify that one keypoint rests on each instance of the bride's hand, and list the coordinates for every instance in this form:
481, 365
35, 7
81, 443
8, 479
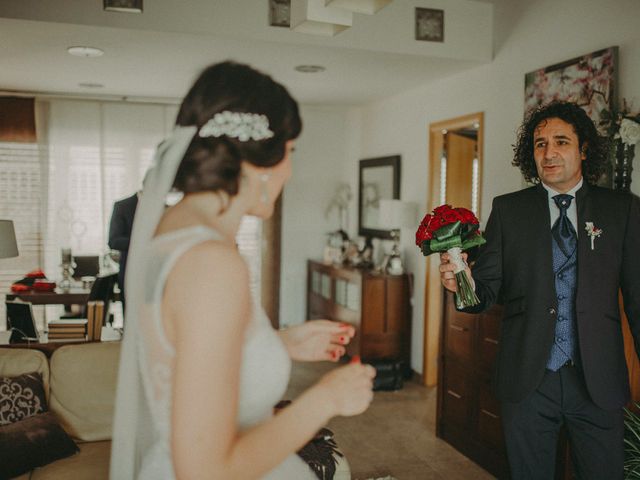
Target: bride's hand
348, 388
317, 340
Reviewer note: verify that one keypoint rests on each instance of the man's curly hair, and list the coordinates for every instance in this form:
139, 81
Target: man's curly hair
596, 146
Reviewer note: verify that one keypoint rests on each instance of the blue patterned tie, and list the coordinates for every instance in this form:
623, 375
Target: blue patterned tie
563, 231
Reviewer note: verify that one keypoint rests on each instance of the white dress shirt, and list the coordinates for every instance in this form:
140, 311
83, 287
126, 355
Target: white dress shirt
572, 211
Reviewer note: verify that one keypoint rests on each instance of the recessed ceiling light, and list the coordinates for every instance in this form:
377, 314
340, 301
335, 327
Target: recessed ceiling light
81, 51
310, 68
91, 85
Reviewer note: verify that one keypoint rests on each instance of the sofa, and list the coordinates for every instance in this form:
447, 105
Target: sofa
80, 383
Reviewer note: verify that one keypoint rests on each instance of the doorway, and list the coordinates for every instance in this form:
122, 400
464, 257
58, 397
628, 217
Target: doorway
455, 167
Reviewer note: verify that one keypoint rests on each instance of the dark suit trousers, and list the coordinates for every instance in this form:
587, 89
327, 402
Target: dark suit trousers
531, 430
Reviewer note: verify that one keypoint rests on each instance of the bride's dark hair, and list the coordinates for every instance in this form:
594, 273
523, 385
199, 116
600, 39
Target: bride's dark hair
212, 163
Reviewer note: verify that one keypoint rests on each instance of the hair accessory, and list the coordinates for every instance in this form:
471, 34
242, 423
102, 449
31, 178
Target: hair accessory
264, 196
243, 126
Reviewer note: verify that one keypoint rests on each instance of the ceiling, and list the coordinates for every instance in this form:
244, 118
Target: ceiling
157, 54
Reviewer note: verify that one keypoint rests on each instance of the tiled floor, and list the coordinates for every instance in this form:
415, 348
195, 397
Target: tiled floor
396, 436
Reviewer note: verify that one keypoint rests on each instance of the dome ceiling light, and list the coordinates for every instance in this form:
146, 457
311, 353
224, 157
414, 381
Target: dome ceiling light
82, 51
310, 68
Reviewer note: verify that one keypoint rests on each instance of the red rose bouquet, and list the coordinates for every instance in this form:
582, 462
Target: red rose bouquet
452, 230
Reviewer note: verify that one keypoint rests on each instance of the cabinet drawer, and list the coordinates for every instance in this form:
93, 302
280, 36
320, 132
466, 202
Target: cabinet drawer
488, 335
457, 393
459, 337
489, 423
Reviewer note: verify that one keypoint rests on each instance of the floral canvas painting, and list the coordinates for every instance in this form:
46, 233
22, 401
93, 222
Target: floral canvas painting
589, 81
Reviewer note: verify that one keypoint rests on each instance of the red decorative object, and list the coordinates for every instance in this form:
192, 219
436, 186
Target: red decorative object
43, 286
36, 274
19, 288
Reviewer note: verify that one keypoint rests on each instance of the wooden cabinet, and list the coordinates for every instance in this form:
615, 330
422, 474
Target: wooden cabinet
378, 305
468, 414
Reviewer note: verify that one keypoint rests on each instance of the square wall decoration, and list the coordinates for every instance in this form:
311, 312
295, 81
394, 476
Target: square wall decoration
429, 24
280, 13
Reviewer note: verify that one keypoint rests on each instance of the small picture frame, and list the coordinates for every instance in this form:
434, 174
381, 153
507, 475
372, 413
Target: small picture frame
280, 13
429, 24
128, 6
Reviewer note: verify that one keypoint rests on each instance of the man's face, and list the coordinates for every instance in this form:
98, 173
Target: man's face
557, 154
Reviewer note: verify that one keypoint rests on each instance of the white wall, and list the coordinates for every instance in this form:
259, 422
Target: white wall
322, 160
529, 35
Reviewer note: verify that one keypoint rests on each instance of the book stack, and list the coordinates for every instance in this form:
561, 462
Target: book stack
95, 313
68, 329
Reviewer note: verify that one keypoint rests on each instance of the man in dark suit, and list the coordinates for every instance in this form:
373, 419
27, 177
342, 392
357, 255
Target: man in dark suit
556, 255
120, 234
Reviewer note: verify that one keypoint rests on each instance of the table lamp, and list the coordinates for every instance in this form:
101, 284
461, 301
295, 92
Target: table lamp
396, 215
8, 244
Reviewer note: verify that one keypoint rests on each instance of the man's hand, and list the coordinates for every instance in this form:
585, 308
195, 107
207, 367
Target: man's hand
317, 340
447, 275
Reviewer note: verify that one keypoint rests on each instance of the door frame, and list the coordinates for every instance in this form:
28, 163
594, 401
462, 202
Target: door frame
433, 298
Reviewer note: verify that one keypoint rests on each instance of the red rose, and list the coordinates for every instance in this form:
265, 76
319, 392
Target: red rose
450, 217
467, 216
423, 234
441, 209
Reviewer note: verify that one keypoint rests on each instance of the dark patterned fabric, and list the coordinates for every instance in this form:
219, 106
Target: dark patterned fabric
21, 397
565, 268
321, 454
32, 442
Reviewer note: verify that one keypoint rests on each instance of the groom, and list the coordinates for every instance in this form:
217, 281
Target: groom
557, 254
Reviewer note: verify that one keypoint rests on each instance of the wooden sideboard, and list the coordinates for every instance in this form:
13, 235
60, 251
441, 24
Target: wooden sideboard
468, 414
378, 305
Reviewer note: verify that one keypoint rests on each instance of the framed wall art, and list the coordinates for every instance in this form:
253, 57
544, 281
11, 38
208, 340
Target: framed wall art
429, 24
589, 80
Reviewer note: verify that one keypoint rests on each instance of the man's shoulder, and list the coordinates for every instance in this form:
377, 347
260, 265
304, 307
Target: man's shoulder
517, 197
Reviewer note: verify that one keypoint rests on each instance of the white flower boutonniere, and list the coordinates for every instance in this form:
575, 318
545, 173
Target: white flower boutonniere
593, 232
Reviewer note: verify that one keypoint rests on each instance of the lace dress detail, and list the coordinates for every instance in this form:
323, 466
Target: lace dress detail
264, 373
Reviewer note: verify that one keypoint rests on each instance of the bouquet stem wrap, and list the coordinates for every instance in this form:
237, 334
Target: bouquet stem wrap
453, 231
465, 295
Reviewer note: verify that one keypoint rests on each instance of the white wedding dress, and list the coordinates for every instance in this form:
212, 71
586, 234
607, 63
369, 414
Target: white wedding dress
264, 372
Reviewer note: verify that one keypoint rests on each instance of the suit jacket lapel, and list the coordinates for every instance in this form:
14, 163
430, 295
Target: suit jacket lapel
541, 233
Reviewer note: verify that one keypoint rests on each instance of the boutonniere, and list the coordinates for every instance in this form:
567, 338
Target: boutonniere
592, 231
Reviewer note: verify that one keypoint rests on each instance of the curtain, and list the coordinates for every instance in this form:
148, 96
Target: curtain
60, 191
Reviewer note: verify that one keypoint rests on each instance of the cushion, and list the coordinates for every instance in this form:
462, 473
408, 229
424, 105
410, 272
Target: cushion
21, 397
92, 463
83, 388
32, 442
16, 361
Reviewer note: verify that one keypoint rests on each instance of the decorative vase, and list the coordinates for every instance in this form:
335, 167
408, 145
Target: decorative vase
624, 166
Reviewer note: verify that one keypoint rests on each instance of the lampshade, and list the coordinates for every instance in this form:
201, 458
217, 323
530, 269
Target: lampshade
8, 244
359, 6
312, 16
396, 214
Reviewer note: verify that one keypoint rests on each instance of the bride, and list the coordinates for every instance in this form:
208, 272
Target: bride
201, 367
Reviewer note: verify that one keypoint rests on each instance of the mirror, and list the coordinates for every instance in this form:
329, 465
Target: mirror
379, 179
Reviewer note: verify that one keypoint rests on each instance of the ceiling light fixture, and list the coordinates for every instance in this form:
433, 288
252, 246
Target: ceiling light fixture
312, 16
310, 68
126, 6
368, 7
90, 85
81, 51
